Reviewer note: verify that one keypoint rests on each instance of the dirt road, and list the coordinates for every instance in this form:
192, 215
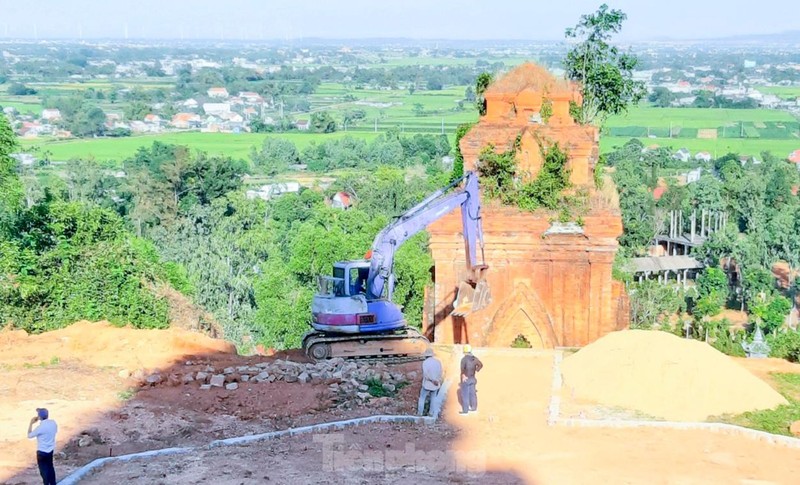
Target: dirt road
508, 441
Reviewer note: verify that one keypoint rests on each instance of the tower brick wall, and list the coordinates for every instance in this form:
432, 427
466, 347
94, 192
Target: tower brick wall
557, 289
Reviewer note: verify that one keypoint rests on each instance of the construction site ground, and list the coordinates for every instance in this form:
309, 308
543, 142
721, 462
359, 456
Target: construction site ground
507, 441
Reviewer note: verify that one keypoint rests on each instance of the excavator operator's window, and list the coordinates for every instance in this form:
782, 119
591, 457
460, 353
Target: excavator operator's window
358, 281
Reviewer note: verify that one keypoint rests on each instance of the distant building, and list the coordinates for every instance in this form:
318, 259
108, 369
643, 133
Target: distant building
216, 109
9, 111
218, 93
24, 159
694, 175
186, 121
703, 157
794, 157
683, 155
267, 192
190, 104
341, 200
303, 125
250, 97
152, 118
51, 114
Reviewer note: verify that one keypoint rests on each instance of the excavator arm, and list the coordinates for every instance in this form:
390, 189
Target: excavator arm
416, 219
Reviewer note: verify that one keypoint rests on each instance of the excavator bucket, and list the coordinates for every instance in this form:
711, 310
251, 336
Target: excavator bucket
471, 298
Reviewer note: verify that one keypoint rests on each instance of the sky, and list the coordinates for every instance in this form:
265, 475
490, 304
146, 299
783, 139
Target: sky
355, 19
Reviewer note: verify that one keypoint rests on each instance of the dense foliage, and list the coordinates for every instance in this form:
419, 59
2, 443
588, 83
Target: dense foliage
503, 180
763, 228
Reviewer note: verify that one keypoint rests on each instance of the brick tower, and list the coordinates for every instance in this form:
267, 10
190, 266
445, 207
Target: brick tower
552, 286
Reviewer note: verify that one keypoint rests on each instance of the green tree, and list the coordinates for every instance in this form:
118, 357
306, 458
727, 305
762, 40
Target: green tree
419, 109
322, 122
712, 290
275, 155
19, 89
11, 192
136, 110
661, 97
481, 85
90, 120
604, 73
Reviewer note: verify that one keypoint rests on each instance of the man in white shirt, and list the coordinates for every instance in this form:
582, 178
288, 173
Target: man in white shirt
45, 435
432, 377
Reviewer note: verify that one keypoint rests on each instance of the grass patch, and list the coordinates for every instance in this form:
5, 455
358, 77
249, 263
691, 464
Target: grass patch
54, 361
126, 394
376, 388
778, 420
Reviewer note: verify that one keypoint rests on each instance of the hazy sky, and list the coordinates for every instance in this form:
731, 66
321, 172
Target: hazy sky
423, 19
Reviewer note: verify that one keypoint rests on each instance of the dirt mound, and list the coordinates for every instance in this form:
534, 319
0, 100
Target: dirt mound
104, 345
664, 376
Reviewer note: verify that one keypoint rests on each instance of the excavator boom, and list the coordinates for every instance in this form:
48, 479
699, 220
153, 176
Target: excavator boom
353, 315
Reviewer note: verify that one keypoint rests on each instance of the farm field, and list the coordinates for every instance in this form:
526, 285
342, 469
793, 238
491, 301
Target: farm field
718, 147
421, 112
748, 131
229, 144
785, 92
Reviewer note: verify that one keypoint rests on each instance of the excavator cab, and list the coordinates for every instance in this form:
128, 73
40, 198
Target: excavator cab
473, 293
352, 276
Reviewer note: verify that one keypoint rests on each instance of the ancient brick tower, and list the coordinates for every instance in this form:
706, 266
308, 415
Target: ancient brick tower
553, 287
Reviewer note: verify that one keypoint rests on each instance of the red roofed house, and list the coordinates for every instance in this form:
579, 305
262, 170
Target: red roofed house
251, 97
794, 157
186, 120
218, 93
341, 200
658, 192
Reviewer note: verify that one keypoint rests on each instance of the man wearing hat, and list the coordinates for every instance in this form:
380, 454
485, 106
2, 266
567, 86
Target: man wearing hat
470, 365
45, 435
432, 377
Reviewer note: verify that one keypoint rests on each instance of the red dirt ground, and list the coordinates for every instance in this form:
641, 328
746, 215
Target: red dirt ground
508, 439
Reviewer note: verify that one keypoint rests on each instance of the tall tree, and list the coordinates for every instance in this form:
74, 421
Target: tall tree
604, 73
10, 186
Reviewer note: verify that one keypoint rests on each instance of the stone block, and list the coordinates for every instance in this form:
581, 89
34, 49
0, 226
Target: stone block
217, 380
232, 386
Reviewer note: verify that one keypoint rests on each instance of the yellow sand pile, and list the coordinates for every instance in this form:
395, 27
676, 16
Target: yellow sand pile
664, 376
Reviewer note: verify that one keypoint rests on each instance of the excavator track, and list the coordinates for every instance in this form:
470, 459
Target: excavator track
406, 345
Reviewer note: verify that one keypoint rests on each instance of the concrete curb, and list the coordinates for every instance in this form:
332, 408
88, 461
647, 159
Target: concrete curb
554, 419
84, 471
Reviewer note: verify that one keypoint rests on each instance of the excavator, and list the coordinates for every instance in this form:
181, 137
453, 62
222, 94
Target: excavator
353, 315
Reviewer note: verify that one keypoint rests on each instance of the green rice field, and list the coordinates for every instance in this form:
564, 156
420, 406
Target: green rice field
229, 144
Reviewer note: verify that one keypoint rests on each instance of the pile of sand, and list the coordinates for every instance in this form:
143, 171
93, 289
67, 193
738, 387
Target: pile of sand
104, 345
664, 376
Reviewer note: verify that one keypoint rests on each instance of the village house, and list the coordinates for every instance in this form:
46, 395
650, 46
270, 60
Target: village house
703, 157
302, 125
267, 192
217, 93
250, 97
186, 121
341, 200
216, 109
684, 155
51, 114
190, 104
152, 119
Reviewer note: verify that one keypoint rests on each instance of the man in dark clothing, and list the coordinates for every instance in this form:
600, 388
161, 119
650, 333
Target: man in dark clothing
470, 365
